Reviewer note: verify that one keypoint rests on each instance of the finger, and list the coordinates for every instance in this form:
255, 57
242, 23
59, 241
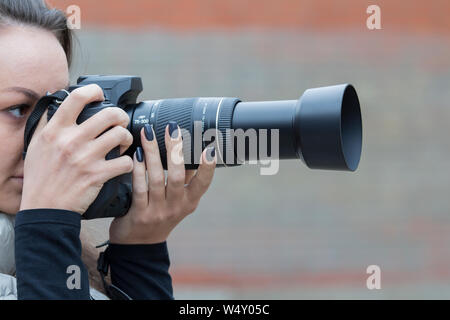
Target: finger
117, 136
114, 167
42, 123
202, 179
140, 186
155, 170
189, 175
72, 106
175, 162
103, 120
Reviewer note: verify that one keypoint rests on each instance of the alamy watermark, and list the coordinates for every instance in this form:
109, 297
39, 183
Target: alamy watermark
73, 13
373, 22
374, 280
252, 146
74, 279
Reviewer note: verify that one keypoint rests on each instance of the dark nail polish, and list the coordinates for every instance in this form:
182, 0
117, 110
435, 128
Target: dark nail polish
173, 129
148, 132
139, 154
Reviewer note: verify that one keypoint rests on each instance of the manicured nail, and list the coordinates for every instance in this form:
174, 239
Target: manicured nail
210, 153
148, 132
139, 154
173, 129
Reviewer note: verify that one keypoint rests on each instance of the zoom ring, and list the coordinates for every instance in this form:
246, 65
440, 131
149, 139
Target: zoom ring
179, 110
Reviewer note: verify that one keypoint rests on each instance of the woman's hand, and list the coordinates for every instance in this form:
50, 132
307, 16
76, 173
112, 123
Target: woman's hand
65, 166
156, 207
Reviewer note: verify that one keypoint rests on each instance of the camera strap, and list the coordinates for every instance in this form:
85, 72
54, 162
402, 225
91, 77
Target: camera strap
112, 291
54, 100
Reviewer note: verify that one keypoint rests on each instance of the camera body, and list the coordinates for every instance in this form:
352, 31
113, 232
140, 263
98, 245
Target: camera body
114, 199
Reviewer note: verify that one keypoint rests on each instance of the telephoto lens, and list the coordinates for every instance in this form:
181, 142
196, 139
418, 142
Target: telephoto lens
323, 128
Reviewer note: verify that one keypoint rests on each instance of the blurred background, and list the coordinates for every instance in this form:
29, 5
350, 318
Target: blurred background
300, 234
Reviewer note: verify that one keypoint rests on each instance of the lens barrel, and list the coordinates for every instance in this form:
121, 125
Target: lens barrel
323, 128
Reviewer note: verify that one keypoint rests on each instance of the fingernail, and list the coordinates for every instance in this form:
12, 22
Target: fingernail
148, 132
139, 154
210, 153
173, 129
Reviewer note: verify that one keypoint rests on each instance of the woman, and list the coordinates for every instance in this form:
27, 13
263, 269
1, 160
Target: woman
65, 168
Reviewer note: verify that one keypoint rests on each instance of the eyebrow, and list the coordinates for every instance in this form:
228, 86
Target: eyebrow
27, 92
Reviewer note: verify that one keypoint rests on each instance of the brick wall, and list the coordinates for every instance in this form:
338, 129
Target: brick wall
415, 16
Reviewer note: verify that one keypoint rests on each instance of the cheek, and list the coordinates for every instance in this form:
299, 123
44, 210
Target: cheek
11, 144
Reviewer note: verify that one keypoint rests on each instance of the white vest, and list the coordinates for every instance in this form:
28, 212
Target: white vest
8, 285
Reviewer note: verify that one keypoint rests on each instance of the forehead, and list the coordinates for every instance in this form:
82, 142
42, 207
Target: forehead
32, 58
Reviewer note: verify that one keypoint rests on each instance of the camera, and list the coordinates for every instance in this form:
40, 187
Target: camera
323, 128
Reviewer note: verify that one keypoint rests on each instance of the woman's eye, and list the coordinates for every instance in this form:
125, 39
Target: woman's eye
19, 111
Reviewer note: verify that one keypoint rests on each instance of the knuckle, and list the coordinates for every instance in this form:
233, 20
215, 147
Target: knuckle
79, 162
157, 179
95, 87
124, 118
117, 133
82, 163
83, 167
177, 179
125, 135
115, 115
65, 149
157, 184
140, 191
72, 141
129, 138
110, 114
141, 219
127, 164
160, 218
79, 94
95, 90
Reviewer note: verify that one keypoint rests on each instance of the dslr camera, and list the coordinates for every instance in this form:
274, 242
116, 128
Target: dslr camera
322, 128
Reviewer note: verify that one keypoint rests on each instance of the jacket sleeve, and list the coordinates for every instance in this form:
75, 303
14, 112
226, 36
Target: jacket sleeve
141, 271
48, 255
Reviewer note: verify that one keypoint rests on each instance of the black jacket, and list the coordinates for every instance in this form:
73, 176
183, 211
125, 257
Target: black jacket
49, 265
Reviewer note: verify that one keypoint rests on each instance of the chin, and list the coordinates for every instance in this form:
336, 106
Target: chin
11, 205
